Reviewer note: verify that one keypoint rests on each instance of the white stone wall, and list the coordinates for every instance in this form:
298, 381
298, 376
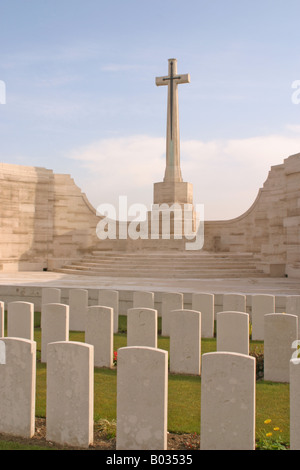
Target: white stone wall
270, 227
45, 219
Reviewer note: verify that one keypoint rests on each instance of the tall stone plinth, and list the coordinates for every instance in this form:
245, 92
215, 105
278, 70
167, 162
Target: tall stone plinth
173, 201
173, 192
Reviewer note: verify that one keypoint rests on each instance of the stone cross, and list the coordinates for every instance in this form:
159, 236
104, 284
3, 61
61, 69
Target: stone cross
173, 172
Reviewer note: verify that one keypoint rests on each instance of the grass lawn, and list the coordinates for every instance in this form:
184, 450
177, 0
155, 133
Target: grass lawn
184, 392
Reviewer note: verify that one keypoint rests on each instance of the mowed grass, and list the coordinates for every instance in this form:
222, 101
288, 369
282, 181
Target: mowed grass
184, 392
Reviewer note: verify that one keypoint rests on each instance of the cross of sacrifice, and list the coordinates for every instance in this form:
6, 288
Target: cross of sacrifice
172, 172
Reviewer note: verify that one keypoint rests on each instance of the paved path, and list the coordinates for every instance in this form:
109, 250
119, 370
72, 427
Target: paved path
275, 286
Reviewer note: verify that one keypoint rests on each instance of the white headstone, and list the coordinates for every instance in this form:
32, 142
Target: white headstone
280, 331
142, 397
261, 305
227, 401
17, 387
185, 342
99, 333
142, 327
204, 303
234, 303
170, 301
280, 303
50, 295
143, 299
55, 326
1, 319
2, 352
294, 404
70, 393
20, 320
78, 303
293, 307
110, 298
233, 332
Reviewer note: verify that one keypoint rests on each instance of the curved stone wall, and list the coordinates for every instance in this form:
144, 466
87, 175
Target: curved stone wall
44, 218
270, 227
46, 221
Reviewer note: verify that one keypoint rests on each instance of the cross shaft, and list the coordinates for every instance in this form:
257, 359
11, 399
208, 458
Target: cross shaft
173, 171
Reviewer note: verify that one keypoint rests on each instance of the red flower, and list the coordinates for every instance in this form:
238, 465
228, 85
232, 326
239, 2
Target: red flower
115, 357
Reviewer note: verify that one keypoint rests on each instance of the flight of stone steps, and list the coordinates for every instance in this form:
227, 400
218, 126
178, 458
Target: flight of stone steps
180, 265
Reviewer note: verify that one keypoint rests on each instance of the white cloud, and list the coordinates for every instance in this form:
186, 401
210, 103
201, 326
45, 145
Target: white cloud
121, 166
226, 175
293, 128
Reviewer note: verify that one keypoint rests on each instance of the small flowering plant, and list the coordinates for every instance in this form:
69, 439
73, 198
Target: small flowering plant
115, 359
193, 442
270, 438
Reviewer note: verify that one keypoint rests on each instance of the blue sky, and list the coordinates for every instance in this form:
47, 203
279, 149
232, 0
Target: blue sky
81, 96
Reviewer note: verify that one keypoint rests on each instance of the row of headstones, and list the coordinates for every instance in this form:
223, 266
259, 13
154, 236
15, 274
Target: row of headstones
228, 391
185, 335
202, 302
184, 329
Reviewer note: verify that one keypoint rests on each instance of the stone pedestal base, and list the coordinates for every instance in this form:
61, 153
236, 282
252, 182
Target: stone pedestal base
180, 213
177, 223
173, 192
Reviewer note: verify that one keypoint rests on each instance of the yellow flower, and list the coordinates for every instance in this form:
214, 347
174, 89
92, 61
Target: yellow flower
267, 421
269, 434
276, 429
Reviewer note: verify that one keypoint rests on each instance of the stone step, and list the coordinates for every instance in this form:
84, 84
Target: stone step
169, 265
154, 269
168, 260
173, 261
178, 255
170, 274
184, 265
159, 268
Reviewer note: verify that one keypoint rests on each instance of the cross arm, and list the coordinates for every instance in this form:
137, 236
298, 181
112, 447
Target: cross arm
159, 81
184, 78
